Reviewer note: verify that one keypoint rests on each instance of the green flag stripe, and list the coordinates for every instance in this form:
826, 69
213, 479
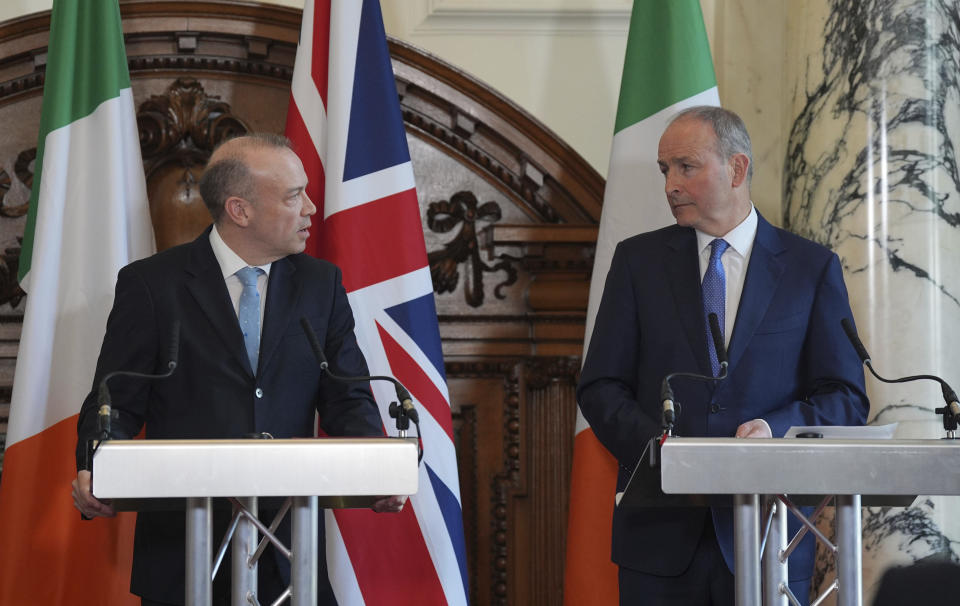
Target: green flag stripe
668, 59
86, 61
86, 65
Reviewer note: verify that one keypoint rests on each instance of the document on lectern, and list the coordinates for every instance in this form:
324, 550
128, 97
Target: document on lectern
844, 432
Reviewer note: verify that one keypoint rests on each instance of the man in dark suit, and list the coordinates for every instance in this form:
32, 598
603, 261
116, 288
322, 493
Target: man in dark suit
779, 299
245, 365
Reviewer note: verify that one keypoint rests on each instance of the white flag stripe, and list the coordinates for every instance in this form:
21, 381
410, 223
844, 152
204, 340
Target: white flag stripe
89, 160
373, 187
437, 444
444, 556
633, 169
304, 90
345, 587
344, 36
412, 285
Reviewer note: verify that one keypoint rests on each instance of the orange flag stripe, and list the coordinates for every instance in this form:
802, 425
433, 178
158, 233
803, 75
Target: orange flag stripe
71, 561
591, 578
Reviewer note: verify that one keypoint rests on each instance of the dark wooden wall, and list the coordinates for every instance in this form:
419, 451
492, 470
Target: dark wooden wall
510, 218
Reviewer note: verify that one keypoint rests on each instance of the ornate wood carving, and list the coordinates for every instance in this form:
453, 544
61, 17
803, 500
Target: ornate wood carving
178, 131
443, 217
184, 125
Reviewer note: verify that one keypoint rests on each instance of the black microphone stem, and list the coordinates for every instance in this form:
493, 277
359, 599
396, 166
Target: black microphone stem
950, 412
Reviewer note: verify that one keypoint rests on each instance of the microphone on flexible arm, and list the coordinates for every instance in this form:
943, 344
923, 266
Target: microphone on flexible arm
671, 408
403, 413
950, 412
105, 412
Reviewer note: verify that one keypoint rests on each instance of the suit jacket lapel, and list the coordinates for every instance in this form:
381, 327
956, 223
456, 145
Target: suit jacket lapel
283, 297
208, 287
683, 270
763, 276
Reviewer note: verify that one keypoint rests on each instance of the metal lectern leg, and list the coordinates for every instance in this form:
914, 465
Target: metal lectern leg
199, 585
849, 545
775, 570
746, 547
244, 543
304, 545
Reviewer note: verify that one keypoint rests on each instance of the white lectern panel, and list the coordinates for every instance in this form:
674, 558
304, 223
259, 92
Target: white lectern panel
138, 469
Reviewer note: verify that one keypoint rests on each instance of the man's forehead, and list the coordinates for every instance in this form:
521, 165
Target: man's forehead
686, 138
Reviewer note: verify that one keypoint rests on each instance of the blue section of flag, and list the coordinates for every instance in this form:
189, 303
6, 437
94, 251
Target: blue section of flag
376, 139
453, 518
418, 318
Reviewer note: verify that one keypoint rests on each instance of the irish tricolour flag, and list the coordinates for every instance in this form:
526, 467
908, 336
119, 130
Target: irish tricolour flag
667, 68
88, 218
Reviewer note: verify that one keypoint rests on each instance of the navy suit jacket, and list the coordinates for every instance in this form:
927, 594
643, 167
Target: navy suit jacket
214, 393
790, 364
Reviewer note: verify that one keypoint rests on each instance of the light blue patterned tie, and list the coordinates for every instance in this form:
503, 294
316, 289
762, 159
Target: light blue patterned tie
714, 289
249, 313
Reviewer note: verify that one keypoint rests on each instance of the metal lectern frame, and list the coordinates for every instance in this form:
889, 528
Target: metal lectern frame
328, 472
748, 468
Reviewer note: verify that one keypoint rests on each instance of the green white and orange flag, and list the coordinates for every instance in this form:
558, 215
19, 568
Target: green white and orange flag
667, 68
88, 217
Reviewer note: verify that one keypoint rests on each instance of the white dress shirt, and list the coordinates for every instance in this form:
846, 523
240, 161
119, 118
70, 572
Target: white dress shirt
735, 261
230, 263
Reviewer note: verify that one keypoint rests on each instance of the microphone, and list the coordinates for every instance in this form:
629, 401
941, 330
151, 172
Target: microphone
314, 344
669, 415
950, 412
405, 410
670, 409
105, 412
718, 345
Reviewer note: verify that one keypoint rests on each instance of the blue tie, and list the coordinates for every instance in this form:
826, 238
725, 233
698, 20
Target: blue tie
249, 313
714, 290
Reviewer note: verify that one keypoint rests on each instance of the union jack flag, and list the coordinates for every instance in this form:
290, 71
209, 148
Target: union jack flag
344, 120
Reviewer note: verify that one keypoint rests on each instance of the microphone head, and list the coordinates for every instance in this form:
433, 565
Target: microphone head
173, 353
103, 393
717, 334
666, 393
851, 333
314, 343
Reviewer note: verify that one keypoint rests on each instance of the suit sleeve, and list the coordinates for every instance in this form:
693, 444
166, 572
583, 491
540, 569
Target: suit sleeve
833, 391
608, 387
130, 343
346, 409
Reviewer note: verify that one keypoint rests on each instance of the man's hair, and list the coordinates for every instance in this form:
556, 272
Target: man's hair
731, 132
230, 176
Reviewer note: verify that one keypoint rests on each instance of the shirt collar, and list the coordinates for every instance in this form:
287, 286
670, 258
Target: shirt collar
740, 238
230, 262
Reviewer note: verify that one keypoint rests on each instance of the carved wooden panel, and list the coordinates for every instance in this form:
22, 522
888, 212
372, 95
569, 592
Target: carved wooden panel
509, 214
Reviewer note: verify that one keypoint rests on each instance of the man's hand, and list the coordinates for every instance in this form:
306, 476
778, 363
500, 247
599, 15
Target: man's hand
389, 504
756, 428
85, 502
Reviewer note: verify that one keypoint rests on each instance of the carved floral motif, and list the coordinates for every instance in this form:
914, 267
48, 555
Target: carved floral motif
462, 209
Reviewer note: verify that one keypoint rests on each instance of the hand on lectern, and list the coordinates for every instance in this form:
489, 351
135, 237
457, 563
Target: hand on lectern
389, 504
85, 502
757, 428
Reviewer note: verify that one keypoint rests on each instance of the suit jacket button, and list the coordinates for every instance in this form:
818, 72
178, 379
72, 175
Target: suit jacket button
713, 407
259, 393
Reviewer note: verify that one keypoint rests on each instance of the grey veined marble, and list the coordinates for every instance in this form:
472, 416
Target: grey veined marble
871, 172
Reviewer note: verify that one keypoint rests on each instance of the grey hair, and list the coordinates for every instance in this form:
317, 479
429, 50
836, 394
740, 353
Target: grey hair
731, 132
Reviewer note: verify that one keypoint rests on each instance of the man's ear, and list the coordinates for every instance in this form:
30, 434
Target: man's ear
741, 165
236, 210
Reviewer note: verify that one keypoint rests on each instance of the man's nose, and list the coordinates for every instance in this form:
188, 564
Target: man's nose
309, 208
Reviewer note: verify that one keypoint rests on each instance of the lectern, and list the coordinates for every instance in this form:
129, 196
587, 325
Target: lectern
329, 472
747, 468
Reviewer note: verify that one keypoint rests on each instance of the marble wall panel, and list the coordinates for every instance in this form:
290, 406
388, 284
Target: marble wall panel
871, 172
